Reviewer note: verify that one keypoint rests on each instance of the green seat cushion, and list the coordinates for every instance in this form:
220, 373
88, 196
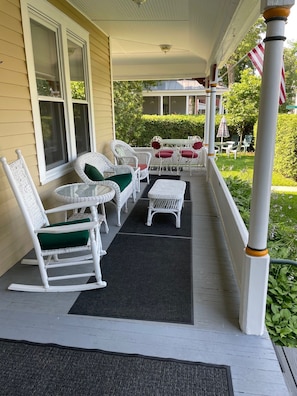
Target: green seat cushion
93, 173
123, 180
64, 240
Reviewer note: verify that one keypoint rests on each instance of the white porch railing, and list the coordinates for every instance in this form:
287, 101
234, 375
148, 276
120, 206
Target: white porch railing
235, 231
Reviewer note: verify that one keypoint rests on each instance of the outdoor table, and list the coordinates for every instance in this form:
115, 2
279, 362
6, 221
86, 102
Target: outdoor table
178, 142
81, 192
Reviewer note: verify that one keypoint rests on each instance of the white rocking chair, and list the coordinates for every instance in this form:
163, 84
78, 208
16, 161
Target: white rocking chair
81, 236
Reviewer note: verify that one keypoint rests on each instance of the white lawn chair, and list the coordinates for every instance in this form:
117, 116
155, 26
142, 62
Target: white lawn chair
79, 239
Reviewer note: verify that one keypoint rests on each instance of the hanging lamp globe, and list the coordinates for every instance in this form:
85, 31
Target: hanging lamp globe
139, 2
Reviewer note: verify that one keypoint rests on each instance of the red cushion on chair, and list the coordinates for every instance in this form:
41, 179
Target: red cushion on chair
188, 154
164, 154
142, 166
156, 145
197, 145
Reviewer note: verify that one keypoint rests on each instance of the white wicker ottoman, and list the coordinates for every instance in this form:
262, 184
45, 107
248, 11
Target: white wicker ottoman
166, 196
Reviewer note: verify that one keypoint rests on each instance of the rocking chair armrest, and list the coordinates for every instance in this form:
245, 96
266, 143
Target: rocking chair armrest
67, 228
72, 206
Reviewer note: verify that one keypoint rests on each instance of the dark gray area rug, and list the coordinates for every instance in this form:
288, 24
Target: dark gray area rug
44, 369
148, 270
162, 224
148, 278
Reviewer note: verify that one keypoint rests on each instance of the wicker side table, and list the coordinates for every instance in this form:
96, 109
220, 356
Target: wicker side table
166, 196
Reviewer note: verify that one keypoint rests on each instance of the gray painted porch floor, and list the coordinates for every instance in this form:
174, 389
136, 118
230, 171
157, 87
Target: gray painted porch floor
215, 336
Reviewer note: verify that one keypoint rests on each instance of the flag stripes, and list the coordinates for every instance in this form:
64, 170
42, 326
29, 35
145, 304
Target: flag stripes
256, 56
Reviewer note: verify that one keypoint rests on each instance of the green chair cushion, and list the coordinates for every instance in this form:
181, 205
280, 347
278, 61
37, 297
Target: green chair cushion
122, 180
93, 173
64, 240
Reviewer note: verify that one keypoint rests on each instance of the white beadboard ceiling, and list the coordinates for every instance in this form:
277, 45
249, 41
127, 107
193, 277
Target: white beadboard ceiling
201, 33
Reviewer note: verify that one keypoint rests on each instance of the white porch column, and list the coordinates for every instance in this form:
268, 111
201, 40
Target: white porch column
161, 105
187, 104
206, 124
212, 113
221, 107
256, 265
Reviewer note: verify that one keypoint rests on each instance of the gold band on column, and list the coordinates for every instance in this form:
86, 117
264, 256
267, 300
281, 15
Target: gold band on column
210, 155
276, 12
256, 253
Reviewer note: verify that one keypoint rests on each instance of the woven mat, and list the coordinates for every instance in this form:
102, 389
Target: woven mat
148, 278
42, 369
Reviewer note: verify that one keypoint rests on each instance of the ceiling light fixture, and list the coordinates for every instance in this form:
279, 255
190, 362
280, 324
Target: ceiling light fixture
139, 2
165, 47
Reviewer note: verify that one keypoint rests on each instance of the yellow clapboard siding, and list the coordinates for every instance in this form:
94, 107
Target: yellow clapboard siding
12, 64
15, 129
11, 50
14, 91
16, 123
12, 8
15, 103
14, 78
19, 115
11, 22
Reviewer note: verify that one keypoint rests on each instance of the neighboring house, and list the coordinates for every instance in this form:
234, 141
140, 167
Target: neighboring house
55, 75
180, 97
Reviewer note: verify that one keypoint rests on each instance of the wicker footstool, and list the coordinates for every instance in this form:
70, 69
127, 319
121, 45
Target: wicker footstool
166, 196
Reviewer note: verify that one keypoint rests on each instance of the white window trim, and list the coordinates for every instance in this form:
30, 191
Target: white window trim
72, 30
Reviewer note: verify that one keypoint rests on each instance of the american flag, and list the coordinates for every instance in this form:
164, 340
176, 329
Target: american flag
256, 55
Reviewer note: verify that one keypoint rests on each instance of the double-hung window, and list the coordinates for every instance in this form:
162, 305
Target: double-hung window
58, 68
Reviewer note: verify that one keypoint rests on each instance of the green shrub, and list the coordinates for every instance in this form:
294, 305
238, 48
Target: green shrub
172, 127
281, 309
286, 146
177, 127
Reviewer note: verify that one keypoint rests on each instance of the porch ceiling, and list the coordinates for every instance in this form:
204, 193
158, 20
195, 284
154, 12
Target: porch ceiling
200, 32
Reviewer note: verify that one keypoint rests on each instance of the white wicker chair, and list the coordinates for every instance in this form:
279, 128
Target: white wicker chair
106, 167
52, 242
126, 155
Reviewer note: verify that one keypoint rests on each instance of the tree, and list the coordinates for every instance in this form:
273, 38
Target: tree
128, 110
254, 36
242, 102
128, 106
290, 62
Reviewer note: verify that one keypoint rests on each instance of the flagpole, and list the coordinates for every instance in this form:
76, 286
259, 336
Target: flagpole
232, 67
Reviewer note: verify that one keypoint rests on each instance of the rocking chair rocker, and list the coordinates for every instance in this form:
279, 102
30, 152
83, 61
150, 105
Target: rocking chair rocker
81, 236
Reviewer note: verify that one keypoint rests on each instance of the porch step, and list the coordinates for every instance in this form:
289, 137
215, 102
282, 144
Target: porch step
287, 358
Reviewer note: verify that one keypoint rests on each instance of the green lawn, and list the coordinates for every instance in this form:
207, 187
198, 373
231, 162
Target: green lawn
242, 167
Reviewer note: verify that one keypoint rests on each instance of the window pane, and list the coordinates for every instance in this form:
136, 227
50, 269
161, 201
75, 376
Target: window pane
54, 133
76, 65
45, 60
81, 122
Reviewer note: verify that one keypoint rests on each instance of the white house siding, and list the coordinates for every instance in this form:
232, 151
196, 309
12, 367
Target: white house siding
16, 122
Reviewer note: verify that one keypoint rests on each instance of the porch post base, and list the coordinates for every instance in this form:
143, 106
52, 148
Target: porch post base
253, 294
